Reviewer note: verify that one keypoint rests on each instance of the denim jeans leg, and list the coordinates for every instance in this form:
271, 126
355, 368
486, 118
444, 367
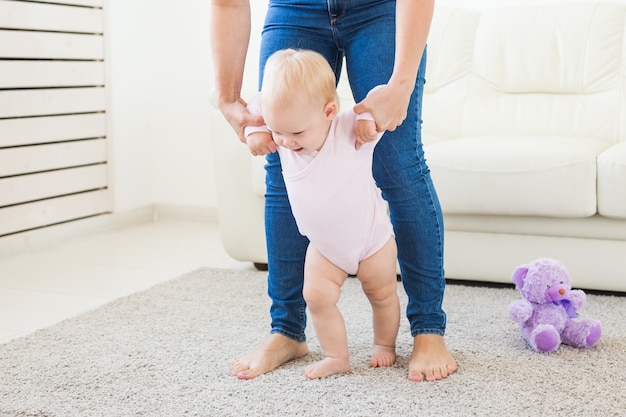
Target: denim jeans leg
286, 251
368, 36
363, 30
401, 172
286, 247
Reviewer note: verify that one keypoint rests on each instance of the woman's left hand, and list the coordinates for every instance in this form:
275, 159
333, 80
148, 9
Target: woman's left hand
388, 104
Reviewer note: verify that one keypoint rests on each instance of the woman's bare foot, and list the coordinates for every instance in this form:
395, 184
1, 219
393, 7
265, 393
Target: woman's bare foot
430, 360
275, 351
327, 367
383, 356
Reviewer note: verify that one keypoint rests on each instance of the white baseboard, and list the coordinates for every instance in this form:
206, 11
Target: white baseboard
24, 242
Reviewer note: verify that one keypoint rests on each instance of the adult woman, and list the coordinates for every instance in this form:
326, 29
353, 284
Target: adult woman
383, 43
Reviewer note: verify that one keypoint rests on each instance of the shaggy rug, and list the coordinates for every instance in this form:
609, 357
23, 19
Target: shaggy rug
166, 352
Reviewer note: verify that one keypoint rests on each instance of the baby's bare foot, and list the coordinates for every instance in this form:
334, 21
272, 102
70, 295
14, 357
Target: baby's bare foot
383, 356
275, 351
327, 367
430, 359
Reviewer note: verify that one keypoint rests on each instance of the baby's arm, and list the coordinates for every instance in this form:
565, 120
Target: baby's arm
365, 130
260, 142
258, 138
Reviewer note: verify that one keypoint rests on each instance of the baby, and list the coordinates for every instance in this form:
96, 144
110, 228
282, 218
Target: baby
326, 159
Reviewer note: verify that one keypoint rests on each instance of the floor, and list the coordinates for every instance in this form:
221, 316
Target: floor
46, 286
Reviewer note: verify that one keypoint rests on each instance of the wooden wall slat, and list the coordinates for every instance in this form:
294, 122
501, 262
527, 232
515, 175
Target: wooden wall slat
44, 45
53, 145
47, 212
51, 17
20, 103
37, 74
29, 159
27, 188
34, 130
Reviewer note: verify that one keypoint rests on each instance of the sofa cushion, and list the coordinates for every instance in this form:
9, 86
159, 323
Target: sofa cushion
516, 175
450, 46
529, 71
547, 71
612, 181
449, 56
553, 49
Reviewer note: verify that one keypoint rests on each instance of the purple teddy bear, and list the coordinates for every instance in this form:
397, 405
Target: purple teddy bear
545, 315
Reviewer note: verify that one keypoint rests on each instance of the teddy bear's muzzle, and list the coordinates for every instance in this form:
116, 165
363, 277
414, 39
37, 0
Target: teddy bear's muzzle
556, 292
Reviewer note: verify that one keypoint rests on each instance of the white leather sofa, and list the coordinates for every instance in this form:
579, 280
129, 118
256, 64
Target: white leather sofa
525, 134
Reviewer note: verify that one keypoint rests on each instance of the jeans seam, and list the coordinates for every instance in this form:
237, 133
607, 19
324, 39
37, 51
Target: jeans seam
293, 336
416, 332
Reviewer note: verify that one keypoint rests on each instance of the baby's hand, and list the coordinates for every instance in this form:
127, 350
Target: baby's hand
365, 132
261, 143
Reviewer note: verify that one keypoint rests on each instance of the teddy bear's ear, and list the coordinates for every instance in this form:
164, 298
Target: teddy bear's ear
518, 276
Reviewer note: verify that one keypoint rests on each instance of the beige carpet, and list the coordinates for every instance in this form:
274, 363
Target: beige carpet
166, 352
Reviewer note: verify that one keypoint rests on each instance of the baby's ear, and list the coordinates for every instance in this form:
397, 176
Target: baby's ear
331, 109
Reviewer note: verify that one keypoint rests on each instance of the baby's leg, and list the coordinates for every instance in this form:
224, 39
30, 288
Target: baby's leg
322, 287
378, 278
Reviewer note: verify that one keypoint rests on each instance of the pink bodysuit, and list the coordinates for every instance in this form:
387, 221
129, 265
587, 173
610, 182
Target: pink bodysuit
333, 196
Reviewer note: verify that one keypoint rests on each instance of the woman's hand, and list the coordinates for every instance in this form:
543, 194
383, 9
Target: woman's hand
239, 117
388, 104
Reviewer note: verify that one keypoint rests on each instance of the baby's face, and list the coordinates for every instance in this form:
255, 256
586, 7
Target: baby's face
301, 126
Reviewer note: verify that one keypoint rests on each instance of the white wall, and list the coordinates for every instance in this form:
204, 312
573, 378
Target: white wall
128, 124
160, 78
160, 82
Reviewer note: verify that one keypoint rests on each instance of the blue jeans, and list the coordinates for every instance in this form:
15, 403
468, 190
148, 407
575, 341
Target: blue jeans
364, 32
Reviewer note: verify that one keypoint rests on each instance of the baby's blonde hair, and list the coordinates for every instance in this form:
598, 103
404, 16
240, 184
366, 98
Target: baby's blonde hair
291, 73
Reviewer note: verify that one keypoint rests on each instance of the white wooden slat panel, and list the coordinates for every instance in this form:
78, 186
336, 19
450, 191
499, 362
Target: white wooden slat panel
90, 3
42, 102
34, 74
28, 159
44, 45
25, 188
53, 146
34, 130
52, 17
47, 212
